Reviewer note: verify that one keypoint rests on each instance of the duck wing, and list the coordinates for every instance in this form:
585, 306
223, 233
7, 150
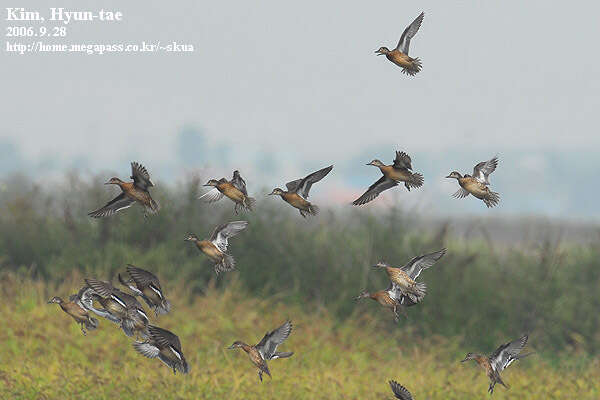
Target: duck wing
268, 345
482, 171
400, 391
211, 196
117, 204
419, 263
164, 338
238, 182
507, 353
373, 191
140, 176
223, 232
409, 33
302, 186
460, 193
402, 161
142, 277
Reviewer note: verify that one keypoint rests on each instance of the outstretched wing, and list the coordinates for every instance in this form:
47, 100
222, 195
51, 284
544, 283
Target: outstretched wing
408, 34
400, 391
302, 186
142, 277
418, 264
482, 171
238, 182
164, 338
507, 353
268, 344
402, 161
225, 231
211, 196
373, 191
118, 203
460, 193
140, 176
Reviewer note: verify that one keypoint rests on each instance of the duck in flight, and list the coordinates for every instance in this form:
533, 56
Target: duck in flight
235, 189
405, 277
399, 171
266, 349
131, 192
146, 285
477, 185
165, 346
499, 360
215, 247
76, 309
390, 298
399, 55
297, 192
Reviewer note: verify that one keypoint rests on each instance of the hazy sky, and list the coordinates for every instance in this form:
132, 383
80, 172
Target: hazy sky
277, 88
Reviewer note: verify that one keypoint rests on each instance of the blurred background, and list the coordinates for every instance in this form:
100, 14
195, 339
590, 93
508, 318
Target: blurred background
278, 90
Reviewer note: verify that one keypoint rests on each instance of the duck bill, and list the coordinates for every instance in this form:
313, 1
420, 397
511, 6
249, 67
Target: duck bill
466, 359
449, 176
232, 347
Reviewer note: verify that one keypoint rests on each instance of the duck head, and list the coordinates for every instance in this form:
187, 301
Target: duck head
191, 238
212, 182
56, 300
236, 345
382, 51
376, 163
363, 295
455, 175
381, 264
276, 191
114, 181
469, 356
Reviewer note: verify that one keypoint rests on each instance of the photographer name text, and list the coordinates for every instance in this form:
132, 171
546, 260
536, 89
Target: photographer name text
62, 15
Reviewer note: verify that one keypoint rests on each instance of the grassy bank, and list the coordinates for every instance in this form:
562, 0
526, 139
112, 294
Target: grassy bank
45, 356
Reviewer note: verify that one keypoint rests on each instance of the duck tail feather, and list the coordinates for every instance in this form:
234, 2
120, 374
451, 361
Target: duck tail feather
416, 181
492, 199
227, 264
313, 209
249, 203
420, 290
91, 323
164, 307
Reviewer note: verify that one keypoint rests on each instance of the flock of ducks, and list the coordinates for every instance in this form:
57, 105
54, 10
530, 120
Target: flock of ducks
101, 298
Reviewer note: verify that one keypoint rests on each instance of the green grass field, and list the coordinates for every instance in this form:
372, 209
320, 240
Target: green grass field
44, 355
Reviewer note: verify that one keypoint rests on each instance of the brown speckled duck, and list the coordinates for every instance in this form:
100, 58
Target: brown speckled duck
131, 192
405, 277
235, 189
477, 185
399, 171
215, 247
297, 192
399, 55
499, 360
266, 349
390, 298
76, 309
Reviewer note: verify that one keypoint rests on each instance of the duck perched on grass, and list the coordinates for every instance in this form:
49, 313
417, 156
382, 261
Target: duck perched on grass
235, 189
399, 55
499, 360
477, 185
131, 192
119, 307
146, 285
76, 309
166, 346
399, 171
405, 277
297, 192
266, 349
390, 298
215, 247
400, 391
